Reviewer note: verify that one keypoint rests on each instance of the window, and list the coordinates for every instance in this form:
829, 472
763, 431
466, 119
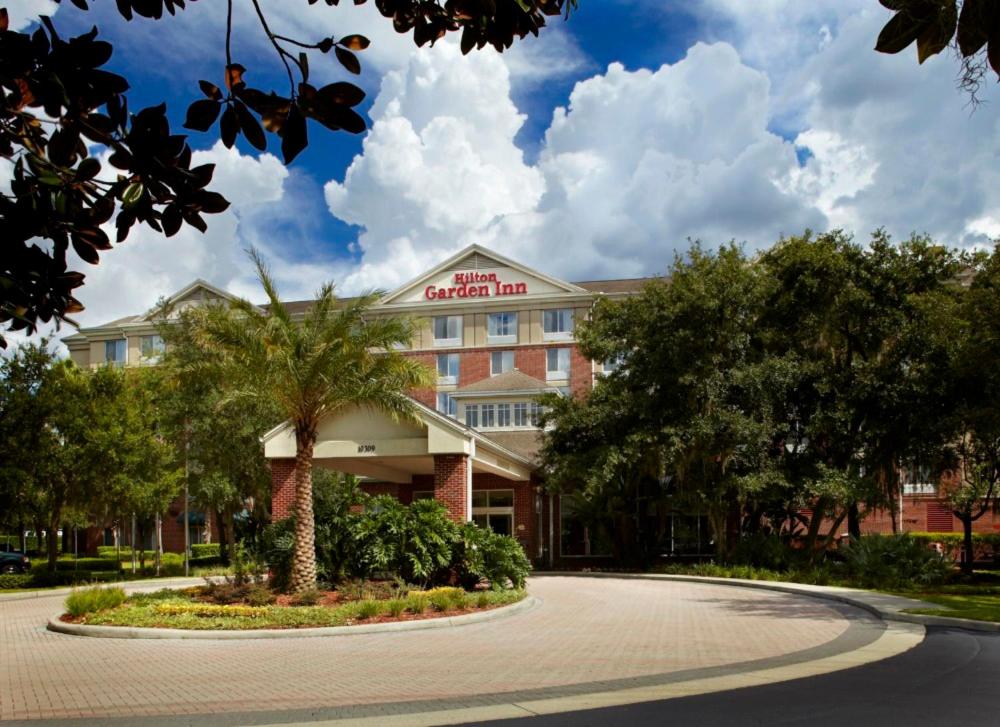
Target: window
535, 413
557, 325
503, 415
557, 363
151, 348
502, 328
448, 330
447, 364
501, 362
613, 364
472, 415
447, 405
489, 416
115, 351
521, 414
916, 479
494, 509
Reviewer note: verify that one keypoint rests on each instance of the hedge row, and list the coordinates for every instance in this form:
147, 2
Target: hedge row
198, 550
60, 578
986, 546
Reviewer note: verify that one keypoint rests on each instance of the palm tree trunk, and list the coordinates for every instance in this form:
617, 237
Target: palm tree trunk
304, 561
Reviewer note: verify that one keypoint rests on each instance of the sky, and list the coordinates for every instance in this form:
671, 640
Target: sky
598, 150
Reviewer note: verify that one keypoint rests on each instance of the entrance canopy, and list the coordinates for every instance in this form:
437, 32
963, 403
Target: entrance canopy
366, 442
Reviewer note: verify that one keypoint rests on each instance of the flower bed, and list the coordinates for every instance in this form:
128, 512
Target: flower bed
192, 609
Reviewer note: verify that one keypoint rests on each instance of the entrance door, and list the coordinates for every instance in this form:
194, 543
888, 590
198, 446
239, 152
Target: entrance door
494, 509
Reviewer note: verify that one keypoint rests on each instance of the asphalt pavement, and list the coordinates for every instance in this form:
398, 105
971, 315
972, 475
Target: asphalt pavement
951, 679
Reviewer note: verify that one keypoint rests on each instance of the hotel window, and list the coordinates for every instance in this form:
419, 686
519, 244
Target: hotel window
448, 330
472, 415
447, 405
115, 352
613, 364
535, 414
494, 509
557, 363
503, 415
501, 362
557, 325
521, 414
447, 364
489, 416
151, 349
502, 328
916, 479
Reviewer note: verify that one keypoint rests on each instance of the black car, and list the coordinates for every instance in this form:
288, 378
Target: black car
14, 562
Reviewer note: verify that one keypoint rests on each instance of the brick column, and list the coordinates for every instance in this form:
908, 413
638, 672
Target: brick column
451, 484
282, 488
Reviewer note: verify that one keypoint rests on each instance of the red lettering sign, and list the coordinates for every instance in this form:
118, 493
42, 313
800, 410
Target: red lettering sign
475, 285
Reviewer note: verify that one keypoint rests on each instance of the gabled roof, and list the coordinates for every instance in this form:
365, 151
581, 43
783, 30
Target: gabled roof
473, 258
185, 292
510, 382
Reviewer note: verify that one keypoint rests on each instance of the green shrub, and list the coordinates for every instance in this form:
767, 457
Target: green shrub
417, 603
260, 595
206, 550
307, 598
91, 600
765, 551
78, 564
985, 546
482, 600
16, 580
894, 561
369, 609
480, 554
395, 606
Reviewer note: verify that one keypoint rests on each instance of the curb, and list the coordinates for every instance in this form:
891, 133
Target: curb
849, 596
529, 603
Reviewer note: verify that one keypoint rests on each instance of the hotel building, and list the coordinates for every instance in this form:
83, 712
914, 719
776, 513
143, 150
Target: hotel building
498, 334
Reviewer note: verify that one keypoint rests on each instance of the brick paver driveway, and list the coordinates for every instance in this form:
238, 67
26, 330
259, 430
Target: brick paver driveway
586, 631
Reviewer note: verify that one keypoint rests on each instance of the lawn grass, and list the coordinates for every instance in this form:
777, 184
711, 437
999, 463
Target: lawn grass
979, 607
167, 609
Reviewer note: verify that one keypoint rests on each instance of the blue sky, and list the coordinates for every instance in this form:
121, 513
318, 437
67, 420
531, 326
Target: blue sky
597, 150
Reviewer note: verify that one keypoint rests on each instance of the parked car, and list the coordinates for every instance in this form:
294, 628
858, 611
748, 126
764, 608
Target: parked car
14, 562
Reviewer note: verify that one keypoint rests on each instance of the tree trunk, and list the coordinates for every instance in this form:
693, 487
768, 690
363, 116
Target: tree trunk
22, 538
304, 561
223, 538
854, 521
231, 528
52, 543
967, 554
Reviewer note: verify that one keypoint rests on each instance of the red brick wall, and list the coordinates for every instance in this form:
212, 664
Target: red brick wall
474, 365
428, 397
450, 484
282, 488
921, 513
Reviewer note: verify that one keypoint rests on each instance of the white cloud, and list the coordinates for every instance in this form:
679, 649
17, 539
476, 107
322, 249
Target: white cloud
25, 12
637, 162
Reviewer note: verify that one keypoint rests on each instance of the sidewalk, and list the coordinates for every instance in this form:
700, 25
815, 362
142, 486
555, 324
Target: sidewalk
884, 605
146, 584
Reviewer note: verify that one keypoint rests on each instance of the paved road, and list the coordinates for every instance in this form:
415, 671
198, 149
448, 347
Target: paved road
588, 635
951, 679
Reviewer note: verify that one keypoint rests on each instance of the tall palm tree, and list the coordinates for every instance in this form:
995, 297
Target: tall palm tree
335, 357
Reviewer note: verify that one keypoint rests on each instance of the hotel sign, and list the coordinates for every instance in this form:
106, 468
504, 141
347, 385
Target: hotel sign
475, 285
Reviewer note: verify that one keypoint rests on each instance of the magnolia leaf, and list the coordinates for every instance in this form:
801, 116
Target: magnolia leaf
899, 32
355, 42
348, 60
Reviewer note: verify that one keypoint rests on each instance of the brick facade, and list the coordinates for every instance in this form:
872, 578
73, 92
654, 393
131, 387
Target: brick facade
451, 485
282, 488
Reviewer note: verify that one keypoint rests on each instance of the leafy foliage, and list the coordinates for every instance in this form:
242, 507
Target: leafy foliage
91, 600
893, 561
57, 103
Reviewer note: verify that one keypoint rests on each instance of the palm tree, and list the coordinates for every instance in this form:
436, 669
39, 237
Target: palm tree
335, 357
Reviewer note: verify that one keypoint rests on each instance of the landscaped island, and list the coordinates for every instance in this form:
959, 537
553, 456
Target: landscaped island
221, 606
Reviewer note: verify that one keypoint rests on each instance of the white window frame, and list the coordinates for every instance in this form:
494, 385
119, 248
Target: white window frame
118, 343
558, 374
488, 411
446, 404
158, 355
490, 510
563, 328
503, 415
500, 356
448, 340
520, 418
449, 377
472, 415
534, 414
510, 326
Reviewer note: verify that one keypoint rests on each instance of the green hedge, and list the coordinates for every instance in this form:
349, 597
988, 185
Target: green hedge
205, 550
44, 579
986, 546
88, 564
18, 580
